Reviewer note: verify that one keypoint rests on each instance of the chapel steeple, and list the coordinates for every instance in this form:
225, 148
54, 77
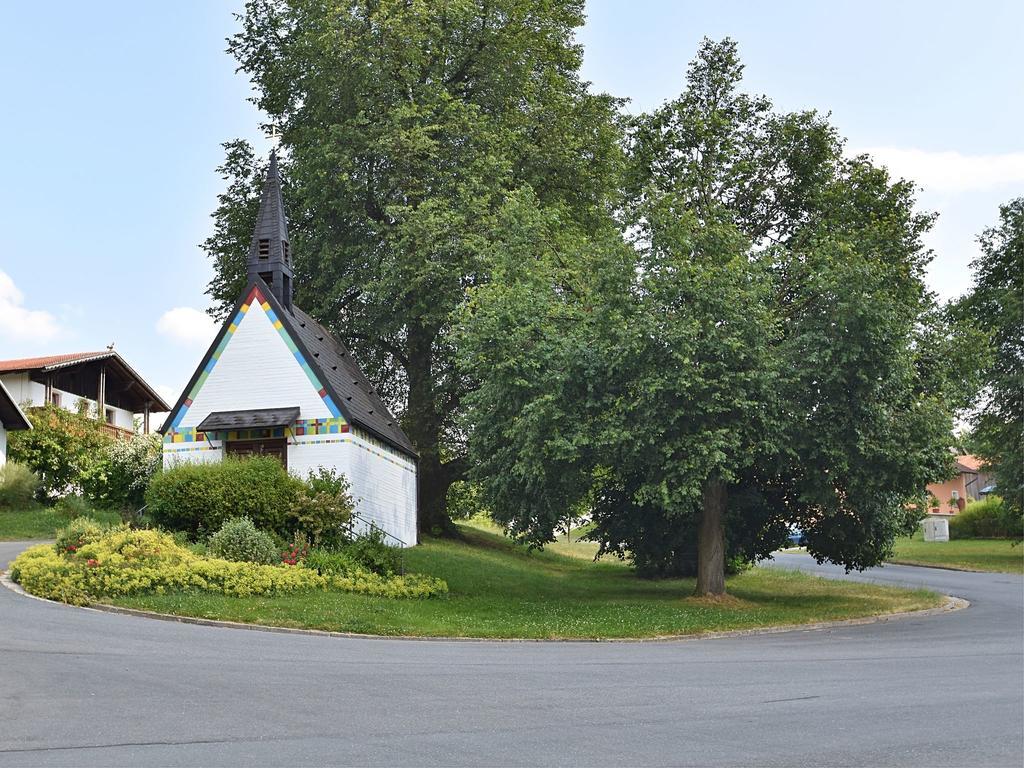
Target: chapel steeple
270, 252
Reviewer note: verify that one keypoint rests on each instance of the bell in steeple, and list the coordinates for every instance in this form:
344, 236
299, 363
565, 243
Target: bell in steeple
269, 254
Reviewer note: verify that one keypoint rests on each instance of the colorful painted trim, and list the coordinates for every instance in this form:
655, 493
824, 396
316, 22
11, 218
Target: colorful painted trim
190, 448
319, 427
356, 437
255, 296
383, 450
300, 428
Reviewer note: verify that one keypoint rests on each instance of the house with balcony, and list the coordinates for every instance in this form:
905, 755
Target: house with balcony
100, 384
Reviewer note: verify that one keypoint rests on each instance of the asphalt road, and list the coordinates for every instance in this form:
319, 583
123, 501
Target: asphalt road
81, 687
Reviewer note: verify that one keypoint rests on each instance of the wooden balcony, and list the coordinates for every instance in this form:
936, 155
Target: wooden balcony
118, 432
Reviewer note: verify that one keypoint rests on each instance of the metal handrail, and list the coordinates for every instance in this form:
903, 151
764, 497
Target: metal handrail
401, 545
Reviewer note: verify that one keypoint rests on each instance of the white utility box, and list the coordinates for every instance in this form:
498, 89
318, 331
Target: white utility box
936, 528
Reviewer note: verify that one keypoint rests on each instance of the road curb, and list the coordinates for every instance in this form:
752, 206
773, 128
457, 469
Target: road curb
955, 568
950, 605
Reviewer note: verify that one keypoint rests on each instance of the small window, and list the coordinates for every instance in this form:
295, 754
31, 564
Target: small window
264, 249
284, 249
110, 416
55, 398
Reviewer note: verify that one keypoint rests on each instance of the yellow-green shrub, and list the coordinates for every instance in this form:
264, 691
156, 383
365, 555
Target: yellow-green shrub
366, 582
123, 561
42, 572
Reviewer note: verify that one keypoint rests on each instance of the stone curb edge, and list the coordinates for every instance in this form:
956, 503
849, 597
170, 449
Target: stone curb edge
955, 568
951, 604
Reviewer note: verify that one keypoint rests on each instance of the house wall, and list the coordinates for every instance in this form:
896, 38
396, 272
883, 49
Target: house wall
944, 492
24, 390
3, 445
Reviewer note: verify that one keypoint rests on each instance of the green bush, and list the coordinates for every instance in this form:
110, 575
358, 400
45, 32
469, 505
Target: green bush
241, 541
990, 518
330, 562
18, 485
73, 507
322, 509
62, 447
123, 472
370, 551
198, 498
77, 534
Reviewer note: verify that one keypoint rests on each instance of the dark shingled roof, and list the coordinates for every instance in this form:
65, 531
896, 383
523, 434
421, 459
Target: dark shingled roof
271, 223
256, 418
351, 390
11, 416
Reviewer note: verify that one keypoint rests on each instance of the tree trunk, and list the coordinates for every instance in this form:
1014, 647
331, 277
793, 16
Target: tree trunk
711, 541
434, 480
423, 425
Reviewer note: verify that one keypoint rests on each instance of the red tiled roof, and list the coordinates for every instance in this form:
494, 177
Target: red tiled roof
972, 463
32, 363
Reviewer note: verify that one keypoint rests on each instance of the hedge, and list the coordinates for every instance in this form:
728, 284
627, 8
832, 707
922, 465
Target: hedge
990, 518
199, 498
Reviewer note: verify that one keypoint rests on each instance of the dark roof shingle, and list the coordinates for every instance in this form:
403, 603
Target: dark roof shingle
256, 418
358, 399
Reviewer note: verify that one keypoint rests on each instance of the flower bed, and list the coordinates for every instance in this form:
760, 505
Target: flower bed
96, 564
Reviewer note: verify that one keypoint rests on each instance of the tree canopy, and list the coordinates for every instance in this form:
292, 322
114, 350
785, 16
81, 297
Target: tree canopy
996, 305
760, 354
698, 326
407, 127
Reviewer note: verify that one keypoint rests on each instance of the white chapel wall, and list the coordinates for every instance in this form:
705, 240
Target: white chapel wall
382, 482
256, 370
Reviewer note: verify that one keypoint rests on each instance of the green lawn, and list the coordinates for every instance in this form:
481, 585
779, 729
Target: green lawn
40, 522
499, 590
972, 554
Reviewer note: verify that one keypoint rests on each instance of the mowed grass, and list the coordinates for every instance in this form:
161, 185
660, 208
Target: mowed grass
999, 555
499, 590
41, 522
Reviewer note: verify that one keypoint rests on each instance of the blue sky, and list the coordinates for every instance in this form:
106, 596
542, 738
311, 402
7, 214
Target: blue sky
114, 113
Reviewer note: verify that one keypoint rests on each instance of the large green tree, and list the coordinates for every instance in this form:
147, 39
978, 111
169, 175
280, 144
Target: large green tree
407, 126
996, 305
761, 353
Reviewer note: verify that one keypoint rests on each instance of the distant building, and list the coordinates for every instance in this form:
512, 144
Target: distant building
277, 383
101, 383
11, 419
969, 484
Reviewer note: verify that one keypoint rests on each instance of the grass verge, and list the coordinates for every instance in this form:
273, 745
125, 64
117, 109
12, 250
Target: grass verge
997, 555
41, 522
499, 590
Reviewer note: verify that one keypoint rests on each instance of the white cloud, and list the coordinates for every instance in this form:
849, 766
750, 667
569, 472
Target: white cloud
187, 326
949, 171
17, 323
168, 393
